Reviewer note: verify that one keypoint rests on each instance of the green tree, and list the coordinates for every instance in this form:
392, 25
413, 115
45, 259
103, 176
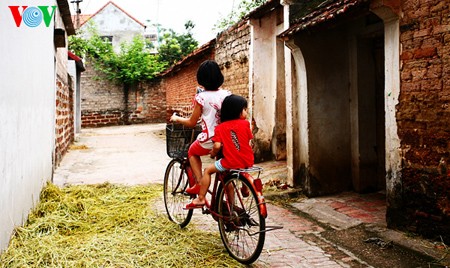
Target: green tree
132, 64
175, 46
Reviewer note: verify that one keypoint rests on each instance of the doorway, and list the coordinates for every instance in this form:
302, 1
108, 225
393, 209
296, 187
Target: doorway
343, 90
368, 145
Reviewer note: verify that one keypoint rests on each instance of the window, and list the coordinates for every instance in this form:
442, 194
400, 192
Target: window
107, 39
151, 41
151, 37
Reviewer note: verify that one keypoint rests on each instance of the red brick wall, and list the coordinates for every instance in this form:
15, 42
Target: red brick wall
423, 115
64, 127
180, 86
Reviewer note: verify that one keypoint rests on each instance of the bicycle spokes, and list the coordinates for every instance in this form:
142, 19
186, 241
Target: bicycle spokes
241, 225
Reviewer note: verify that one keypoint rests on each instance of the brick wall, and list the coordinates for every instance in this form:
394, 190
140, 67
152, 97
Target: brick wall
64, 127
180, 89
103, 102
231, 53
147, 103
423, 115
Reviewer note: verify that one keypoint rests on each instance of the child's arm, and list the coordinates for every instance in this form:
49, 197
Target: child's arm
192, 120
215, 150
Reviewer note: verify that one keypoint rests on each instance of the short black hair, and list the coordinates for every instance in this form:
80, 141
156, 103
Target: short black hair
232, 107
209, 75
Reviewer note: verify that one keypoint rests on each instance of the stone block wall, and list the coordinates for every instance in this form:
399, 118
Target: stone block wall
64, 127
232, 55
423, 115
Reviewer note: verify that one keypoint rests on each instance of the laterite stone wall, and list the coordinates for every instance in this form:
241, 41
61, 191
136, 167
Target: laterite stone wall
232, 55
423, 115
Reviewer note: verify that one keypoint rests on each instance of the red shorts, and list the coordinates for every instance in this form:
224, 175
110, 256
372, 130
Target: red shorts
197, 150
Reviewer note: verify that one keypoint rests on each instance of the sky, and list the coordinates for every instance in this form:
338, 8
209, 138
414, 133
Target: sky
170, 14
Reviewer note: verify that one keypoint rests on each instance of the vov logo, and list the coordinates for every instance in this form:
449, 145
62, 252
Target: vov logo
32, 16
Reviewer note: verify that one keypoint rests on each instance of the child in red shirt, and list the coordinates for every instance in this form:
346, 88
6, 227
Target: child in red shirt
233, 136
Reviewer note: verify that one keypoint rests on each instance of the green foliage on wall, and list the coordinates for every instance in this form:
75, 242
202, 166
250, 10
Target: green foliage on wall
134, 62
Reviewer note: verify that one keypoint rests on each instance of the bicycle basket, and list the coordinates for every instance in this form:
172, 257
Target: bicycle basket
179, 138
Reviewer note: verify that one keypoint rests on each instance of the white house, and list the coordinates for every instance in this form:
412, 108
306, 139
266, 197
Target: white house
34, 66
116, 26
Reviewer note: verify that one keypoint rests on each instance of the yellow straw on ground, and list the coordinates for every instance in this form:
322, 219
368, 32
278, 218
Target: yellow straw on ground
109, 226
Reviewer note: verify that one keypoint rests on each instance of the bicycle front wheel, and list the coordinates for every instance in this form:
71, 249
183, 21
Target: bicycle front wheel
241, 225
175, 183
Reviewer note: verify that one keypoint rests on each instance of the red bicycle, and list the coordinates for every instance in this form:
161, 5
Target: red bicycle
235, 200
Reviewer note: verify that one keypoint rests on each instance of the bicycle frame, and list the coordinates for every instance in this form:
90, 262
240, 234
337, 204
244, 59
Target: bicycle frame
258, 186
221, 177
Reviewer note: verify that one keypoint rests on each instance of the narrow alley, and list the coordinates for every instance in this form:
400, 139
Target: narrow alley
345, 230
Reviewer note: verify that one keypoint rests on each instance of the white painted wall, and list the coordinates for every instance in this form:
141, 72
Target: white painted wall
27, 115
72, 70
264, 75
111, 21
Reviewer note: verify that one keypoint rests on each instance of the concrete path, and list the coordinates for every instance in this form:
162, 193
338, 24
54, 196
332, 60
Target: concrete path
134, 154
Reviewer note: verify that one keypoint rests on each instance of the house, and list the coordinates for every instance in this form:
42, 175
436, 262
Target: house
116, 26
366, 94
35, 103
354, 94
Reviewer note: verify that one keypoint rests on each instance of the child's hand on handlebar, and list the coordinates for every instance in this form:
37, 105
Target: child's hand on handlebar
174, 117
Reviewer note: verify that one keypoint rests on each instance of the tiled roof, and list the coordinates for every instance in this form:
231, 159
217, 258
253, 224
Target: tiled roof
325, 11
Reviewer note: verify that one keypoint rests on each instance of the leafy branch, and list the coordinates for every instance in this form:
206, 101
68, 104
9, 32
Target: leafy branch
245, 7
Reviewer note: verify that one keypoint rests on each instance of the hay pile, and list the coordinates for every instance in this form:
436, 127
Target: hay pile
109, 226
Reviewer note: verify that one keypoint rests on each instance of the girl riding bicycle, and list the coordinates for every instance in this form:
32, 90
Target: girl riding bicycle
233, 137
207, 105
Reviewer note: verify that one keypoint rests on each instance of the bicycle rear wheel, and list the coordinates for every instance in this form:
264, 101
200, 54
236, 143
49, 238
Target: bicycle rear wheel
241, 225
175, 183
